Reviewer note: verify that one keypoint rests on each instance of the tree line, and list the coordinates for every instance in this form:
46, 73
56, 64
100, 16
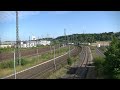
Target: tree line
85, 38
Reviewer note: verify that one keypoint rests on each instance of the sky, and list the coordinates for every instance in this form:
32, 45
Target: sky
52, 23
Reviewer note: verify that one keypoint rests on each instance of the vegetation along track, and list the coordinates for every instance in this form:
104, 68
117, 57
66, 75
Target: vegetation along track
40, 70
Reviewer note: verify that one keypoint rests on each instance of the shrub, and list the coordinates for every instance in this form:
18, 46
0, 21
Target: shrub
69, 61
8, 64
23, 61
99, 65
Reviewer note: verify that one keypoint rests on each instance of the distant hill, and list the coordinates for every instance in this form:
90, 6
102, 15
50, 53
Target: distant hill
91, 38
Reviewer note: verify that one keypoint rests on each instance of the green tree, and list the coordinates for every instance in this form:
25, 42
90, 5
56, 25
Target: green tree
112, 59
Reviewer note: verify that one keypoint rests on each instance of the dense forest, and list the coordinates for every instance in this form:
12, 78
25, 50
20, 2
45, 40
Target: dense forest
91, 38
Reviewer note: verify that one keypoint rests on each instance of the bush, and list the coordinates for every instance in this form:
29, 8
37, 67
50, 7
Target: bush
99, 65
23, 61
69, 61
6, 49
8, 64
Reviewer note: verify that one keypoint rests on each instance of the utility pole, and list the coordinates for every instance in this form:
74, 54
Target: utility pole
76, 39
17, 41
38, 41
14, 65
83, 37
29, 41
51, 46
73, 39
69, 46
37, 48
59, 48
54, 58
65, 36
0, 42
19, 52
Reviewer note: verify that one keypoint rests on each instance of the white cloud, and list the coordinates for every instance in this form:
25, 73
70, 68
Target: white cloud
27, 13
6, 16
59, 12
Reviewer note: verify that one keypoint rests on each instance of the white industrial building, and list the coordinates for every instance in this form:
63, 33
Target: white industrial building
5, 46
34, 43
26, 44
44, 42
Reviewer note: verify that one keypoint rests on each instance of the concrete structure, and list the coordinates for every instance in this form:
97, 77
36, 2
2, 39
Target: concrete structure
101, 43
5, 46
44, 42
98, 45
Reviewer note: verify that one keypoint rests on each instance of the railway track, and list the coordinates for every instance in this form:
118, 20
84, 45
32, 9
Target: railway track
40, 71
80, 68
99, 52
26, 53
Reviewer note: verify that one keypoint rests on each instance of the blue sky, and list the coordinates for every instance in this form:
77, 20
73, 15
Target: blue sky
41, 23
